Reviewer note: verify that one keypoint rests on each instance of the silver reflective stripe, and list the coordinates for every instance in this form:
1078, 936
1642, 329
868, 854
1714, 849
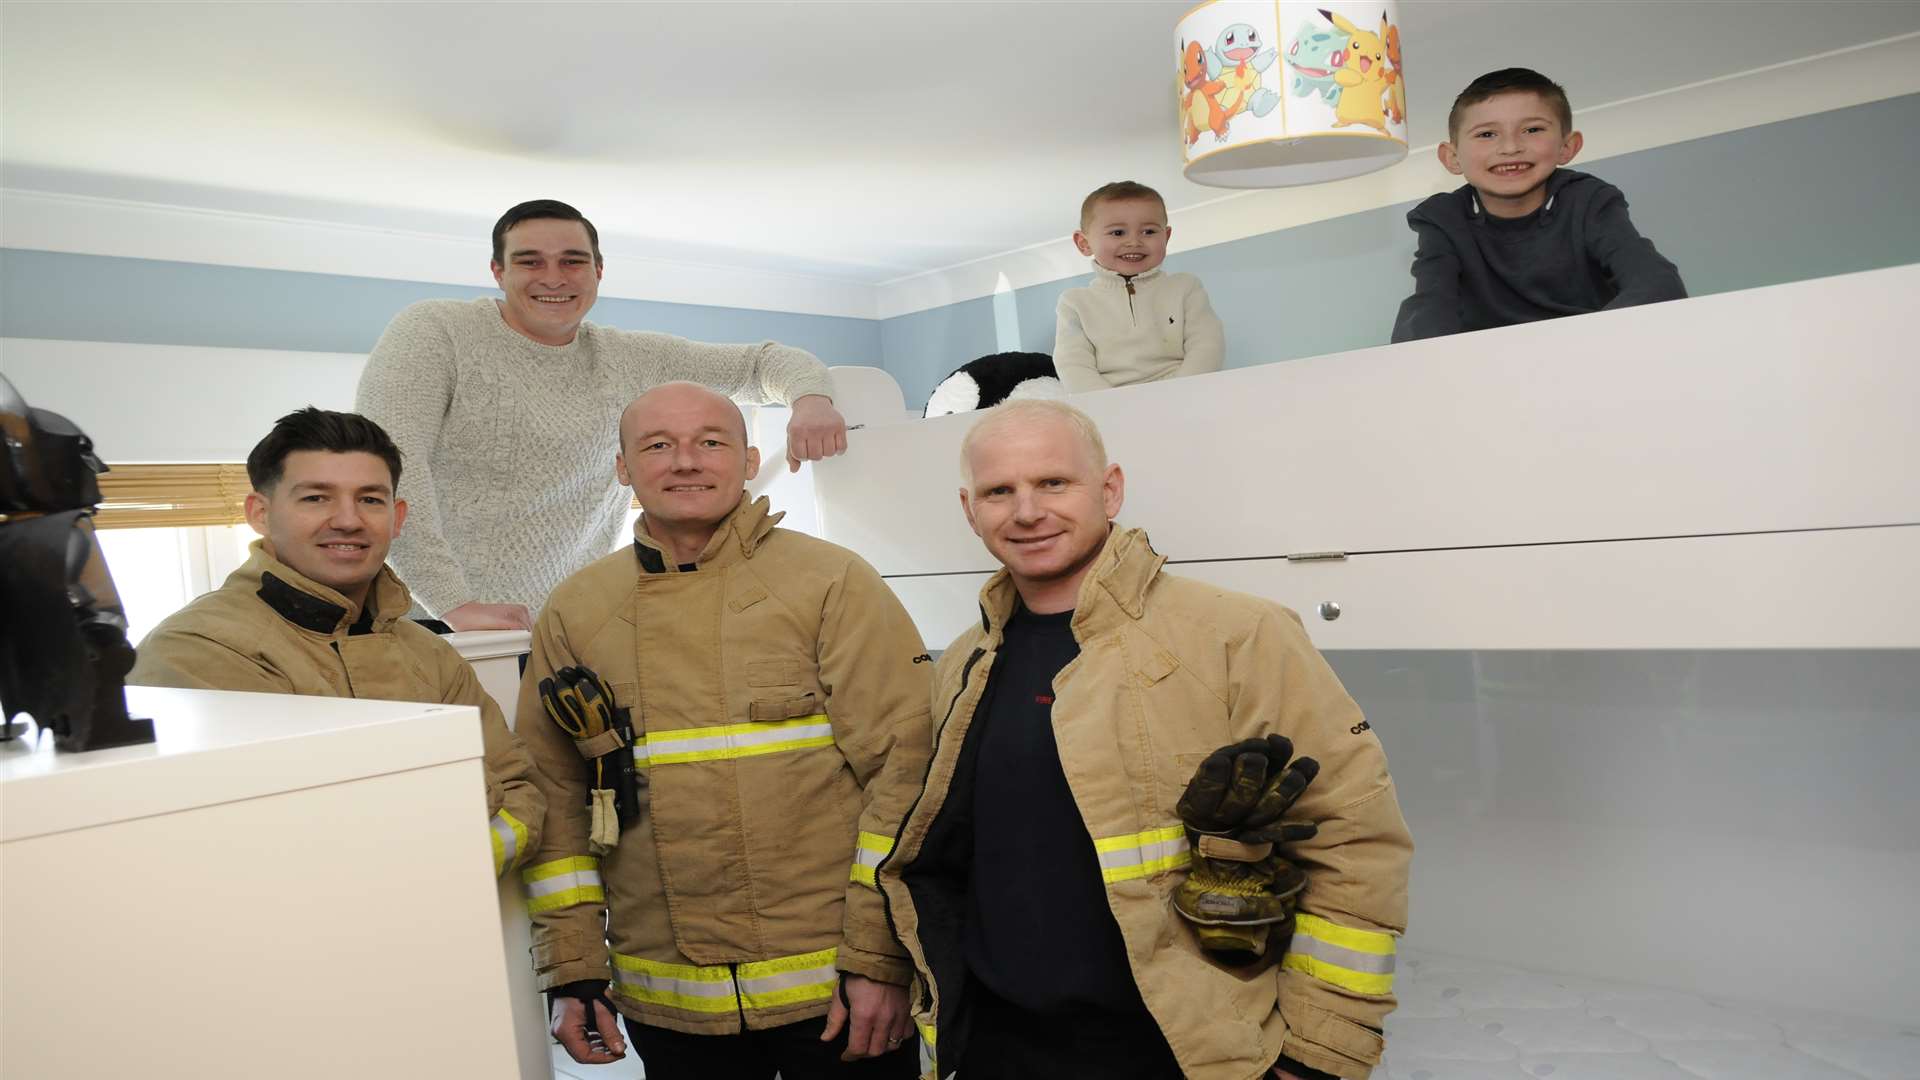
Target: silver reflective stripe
509, 843
737, 740
787, 980
574, 879
721, 989
1145, 853
1142, 854
1351, 959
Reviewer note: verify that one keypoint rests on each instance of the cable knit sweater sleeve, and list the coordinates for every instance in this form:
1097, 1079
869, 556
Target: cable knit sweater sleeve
407, 388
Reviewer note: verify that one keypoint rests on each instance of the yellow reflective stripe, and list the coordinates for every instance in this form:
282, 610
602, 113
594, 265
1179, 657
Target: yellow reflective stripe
929, 1061
731, 741
680, 986
570, 865
1356, 981
1358, 960
509, 840
867, 853
789, 980
563, 883
1346, 937
1142, 854
760, 984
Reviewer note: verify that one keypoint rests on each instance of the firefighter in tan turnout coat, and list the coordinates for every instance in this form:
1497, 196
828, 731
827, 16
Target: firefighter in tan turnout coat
777, 697
316, 611
1037, 878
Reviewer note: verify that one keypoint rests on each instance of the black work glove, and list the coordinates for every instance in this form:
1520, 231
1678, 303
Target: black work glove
1242, 791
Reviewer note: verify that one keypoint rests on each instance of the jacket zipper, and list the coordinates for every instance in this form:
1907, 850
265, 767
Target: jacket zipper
886, 903
1132, 316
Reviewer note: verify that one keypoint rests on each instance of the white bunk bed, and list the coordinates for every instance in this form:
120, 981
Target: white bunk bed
1632, 600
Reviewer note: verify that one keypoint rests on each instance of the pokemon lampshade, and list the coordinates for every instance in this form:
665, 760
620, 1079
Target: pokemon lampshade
1274, 93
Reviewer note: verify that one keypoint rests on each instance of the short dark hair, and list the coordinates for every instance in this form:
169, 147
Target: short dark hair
535, 210
318, 429
1511, 81
1119, 189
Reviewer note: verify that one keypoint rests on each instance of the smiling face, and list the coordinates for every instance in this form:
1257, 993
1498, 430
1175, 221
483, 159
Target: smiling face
1237, 43
331, 517
1127, 236
684, 452
549, 278
1041, 502
1507, 146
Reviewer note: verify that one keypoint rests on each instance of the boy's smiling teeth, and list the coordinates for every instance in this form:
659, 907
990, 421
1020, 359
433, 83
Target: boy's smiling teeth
553, 299
1513, 167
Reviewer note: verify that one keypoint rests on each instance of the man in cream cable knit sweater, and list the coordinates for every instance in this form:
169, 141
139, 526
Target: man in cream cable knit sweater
503, 409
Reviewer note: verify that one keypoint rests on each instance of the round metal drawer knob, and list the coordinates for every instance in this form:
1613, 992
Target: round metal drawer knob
1329, 610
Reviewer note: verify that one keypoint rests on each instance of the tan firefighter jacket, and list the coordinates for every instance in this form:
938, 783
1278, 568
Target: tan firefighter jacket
778, 695
1169, 670
272, 630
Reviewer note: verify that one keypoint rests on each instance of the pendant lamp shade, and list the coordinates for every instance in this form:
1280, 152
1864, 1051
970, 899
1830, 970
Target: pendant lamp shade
1274, 93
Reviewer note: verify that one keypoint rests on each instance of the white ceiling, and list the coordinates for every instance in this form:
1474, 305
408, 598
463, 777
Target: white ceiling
858, 142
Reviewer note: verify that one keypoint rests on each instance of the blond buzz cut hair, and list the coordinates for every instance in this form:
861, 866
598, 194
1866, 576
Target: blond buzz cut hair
1029, 410
1115, 192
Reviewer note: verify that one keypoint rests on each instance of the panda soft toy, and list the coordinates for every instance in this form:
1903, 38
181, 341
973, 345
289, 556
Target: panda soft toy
990, 380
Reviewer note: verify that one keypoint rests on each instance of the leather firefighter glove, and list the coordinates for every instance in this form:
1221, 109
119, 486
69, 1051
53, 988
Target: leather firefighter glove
1240, 893
1238, 907
1243, 790
583, 705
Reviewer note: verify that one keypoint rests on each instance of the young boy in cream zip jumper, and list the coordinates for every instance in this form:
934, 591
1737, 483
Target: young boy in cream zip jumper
1134, 323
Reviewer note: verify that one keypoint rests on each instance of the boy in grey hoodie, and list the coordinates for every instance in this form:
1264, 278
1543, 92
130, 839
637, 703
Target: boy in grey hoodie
1524, 239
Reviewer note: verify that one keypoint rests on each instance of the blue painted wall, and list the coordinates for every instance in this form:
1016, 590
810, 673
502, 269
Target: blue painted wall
1804, 198
146, 301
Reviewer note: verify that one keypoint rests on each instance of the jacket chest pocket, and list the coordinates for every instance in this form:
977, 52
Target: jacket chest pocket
1184, 724
807, 704
763, 673
780, 690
